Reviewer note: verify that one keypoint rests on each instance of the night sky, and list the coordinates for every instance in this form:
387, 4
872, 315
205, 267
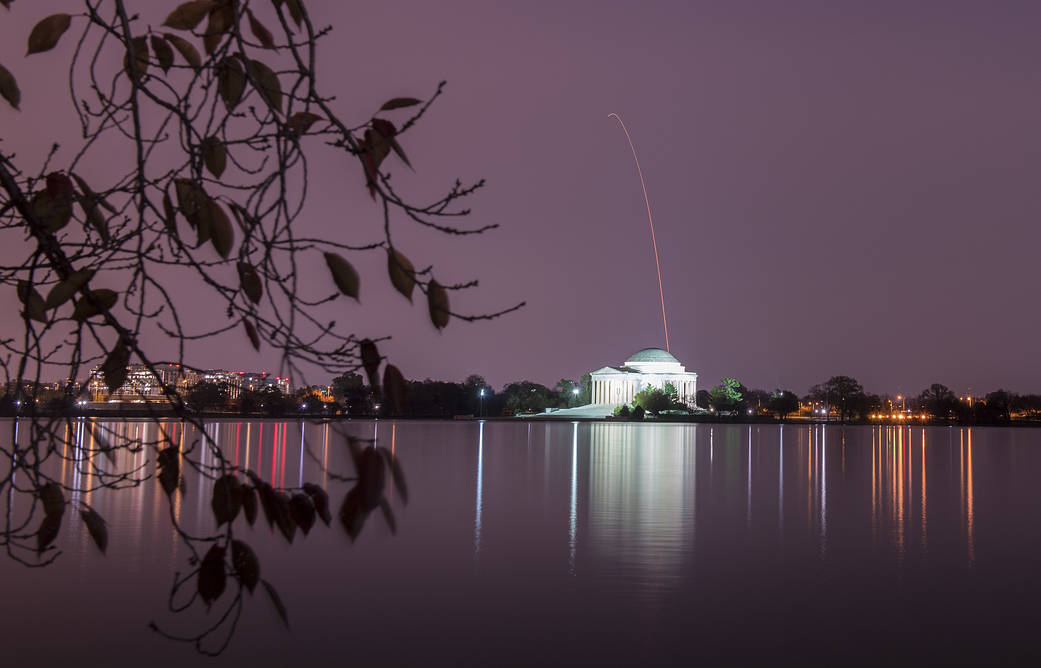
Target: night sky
838, 188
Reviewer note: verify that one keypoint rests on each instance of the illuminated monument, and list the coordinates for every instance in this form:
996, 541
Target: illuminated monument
649, 368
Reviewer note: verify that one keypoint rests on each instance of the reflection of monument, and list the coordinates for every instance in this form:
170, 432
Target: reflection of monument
651, 367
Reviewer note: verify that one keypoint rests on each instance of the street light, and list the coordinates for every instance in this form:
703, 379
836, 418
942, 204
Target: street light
481, 394
574, 393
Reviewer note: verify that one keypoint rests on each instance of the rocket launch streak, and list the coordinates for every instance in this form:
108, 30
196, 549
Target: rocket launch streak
650, 219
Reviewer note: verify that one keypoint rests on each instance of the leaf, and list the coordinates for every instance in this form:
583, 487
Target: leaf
386, 132
437, 303
250, 282
188, 15
394, 387
397, 475
231, 81
59, 186
266, 83
371, 479
163, 53
53, 213
399, 102
251, 332
47, 32
9, 88
283, 518
402, 273
246, 565
34, 305
185, 48
320, 500
344, 275
169, 469
300, 122
227, 499
211, 575
276, 601
302, 510
370, 359
222, 17
223, 234
85, 306
64, 291
215, 155
114, 370
249, 503
352, 516
268, 501
191, 199
53, 499
93, 196
47, 532
388, 515
138, 54
96, 526
262, 34
168, 214
94, 217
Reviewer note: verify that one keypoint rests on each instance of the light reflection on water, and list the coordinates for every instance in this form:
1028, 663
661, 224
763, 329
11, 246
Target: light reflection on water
618, 532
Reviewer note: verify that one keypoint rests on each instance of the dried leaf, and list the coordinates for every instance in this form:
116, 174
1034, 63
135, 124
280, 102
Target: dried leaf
168, 214
47, 32
320, 500
231, 81
85, 306
227, 499
246, 565
388, 515
59, 186
302, 510
300, 122
64, 291
397, 474
266, 83
371, 479
139, 49
276, 601
399, 102
191, 199
250, 282
169, 469
96, 526
215, 155
9, 88
211, 575
222, 17
251, 332
402, 273
114, 370
344, 275
163, 53
370, 359
437, 303
249, 503
53, 499
221, 229
394, 387
89, 193
262, 34
54, 213
94, 218
34, 304
188, 15
296, 11
185, 48
47, 532
352, 516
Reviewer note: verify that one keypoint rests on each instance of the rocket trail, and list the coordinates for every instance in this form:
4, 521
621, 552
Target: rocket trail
650, 220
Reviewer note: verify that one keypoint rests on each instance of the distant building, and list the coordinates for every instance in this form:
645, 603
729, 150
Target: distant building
143, 385
648, 368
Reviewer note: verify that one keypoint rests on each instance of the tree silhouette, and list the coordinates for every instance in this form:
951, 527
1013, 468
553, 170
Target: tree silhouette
218, 107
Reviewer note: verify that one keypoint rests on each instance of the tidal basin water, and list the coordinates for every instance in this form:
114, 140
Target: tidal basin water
582, 544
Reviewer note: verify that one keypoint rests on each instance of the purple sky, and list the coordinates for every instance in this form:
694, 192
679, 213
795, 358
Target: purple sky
838, 188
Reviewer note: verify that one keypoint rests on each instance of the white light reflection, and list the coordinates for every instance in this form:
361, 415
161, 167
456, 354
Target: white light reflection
748, 479
780, 485
301, 479
479, 501
574, 496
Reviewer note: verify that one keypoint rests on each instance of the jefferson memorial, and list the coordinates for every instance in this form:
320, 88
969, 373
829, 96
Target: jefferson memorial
650, 367
613, 386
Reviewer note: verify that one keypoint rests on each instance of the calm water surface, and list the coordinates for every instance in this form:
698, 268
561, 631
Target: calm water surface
570, 544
